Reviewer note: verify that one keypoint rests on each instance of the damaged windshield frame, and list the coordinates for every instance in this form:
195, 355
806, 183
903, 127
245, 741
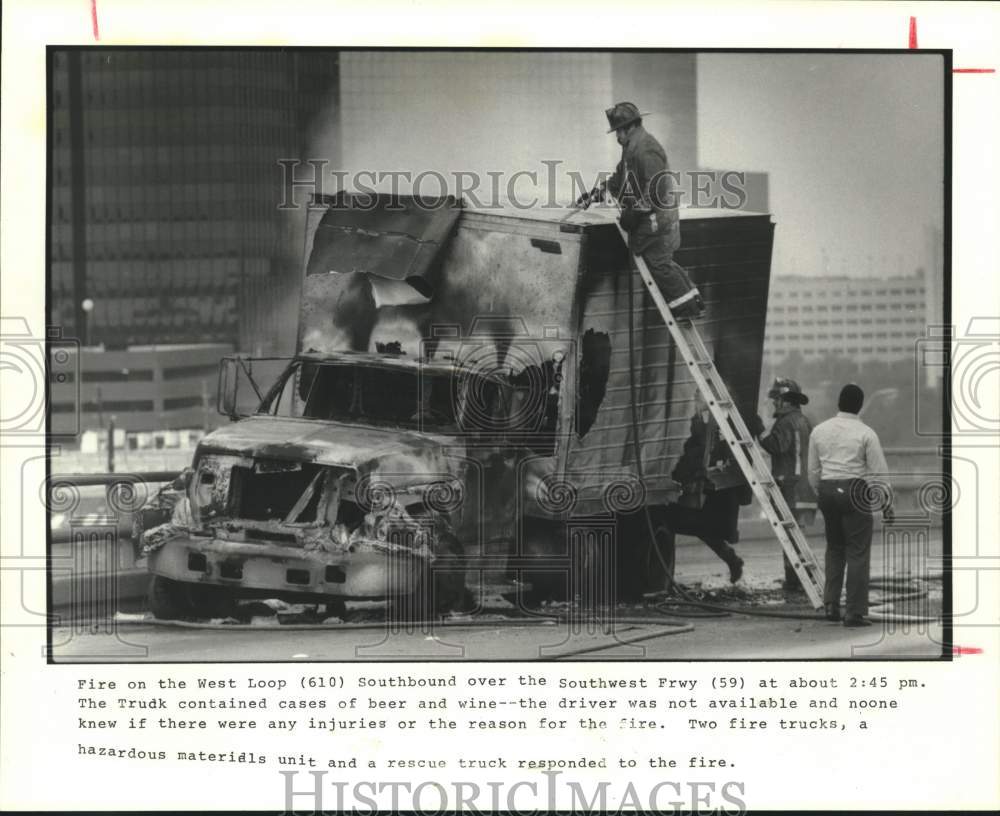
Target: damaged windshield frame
426, 408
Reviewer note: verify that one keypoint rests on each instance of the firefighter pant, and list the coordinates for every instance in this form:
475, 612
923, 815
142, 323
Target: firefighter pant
722, 549
715, 523
848, 543
670, 276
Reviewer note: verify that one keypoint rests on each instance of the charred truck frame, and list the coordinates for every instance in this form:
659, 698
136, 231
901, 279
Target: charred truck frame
463, 415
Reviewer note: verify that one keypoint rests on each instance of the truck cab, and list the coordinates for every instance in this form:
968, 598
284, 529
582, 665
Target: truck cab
352, 474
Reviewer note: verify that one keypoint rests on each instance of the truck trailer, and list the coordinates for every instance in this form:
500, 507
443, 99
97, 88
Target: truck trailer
482, 401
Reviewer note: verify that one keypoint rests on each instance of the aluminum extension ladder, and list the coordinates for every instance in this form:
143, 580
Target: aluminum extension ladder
746, 451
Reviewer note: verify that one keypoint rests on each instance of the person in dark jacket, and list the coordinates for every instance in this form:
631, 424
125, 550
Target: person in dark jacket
644, 190
788, 444
703, 511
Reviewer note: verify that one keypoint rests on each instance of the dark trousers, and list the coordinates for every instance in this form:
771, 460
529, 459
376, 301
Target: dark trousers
721, 548
715, 522
671, 277
848, 544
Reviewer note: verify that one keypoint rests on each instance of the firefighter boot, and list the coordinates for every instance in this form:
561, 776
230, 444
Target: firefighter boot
722, 549
690, 310
735, 568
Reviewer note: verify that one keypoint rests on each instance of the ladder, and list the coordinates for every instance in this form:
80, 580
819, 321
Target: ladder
747, 453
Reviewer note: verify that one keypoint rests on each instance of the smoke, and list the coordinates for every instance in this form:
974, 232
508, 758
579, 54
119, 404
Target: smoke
476, 113
320, 142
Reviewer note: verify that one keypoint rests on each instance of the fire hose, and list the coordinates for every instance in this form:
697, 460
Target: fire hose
677, 607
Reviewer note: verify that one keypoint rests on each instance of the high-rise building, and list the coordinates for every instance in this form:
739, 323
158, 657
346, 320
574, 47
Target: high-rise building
165, 183
866, 319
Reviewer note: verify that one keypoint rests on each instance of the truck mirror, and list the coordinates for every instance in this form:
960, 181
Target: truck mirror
228, 387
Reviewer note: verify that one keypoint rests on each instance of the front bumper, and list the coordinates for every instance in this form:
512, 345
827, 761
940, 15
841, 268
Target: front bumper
364, 573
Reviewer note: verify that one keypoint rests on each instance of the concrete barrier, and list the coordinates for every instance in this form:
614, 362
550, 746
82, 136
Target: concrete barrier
94, 563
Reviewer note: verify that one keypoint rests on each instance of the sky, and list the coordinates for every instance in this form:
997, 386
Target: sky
853, 145
478, 112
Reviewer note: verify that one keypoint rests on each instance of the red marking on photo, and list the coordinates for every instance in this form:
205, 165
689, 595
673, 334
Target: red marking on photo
913, 44
93, 19
966, 650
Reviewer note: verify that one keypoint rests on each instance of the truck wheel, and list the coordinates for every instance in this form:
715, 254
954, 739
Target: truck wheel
660, 573
449, 590
335, 608
436, 591
179, 600
643, 565
542, 539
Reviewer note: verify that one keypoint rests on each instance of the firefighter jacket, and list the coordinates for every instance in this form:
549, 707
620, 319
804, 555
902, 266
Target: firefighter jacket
642, 183
788, 444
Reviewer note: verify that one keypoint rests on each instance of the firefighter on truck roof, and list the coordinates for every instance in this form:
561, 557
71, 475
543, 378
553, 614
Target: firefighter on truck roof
644, 190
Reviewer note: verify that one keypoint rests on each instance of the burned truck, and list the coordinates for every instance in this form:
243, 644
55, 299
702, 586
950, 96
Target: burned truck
482, 402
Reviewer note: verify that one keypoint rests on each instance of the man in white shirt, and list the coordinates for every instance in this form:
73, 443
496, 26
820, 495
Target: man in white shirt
844, 458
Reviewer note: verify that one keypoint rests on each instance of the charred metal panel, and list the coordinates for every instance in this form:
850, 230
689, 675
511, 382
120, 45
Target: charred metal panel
729, 260
603, 445
405, 454
494, 268
519, 271
360, 241
395, 237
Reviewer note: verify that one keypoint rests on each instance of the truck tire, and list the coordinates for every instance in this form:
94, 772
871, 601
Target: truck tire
540, 538
659, 570
179, 600
644, 566
436, 591
647, 571
335, 608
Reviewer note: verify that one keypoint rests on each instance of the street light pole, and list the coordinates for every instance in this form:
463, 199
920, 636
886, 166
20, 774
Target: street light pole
86, 307
111, 445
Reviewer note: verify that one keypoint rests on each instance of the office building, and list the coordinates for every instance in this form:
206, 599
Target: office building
866, 319
164, 185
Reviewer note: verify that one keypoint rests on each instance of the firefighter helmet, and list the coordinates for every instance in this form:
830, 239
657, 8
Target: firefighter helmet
787, 389
622, 114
